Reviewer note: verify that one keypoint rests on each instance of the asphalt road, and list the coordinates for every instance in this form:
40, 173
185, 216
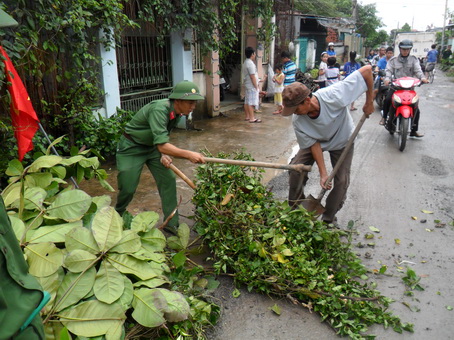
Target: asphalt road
394, 192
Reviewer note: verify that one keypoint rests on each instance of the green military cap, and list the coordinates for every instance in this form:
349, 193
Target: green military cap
6, 20
186, 90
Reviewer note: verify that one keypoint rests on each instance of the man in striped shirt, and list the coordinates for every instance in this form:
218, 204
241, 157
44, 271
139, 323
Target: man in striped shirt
289, 68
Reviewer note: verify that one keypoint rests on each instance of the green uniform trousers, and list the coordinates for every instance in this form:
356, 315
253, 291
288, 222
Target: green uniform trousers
20, 292
131, 158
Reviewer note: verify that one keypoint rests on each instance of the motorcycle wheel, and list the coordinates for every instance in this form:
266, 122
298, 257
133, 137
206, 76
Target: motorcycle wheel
403, 132
379, 99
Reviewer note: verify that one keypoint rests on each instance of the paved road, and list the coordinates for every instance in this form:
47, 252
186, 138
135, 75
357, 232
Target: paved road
388, 188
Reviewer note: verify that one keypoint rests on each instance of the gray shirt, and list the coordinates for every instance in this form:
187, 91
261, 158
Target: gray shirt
398, 67
249, 68
334, 125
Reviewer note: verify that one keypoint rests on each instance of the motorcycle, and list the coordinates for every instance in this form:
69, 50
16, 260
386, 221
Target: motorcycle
224, 87
404, 106
382, 90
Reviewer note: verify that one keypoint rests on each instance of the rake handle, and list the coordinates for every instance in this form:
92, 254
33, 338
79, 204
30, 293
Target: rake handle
296, 167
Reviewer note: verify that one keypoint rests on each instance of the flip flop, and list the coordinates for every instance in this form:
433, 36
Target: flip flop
255, 121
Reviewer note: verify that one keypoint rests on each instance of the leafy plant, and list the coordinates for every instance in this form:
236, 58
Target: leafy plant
106, 277
276, 250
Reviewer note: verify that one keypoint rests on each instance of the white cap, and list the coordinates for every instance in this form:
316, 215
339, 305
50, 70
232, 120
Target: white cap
331, 44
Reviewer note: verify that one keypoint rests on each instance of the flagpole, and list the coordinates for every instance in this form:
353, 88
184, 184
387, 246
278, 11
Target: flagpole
55, 151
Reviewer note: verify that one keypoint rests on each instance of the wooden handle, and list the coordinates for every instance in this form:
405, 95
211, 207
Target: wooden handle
182, 176
297, 167
344, 153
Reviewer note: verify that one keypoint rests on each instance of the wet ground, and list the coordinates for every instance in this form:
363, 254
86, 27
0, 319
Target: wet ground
407, 196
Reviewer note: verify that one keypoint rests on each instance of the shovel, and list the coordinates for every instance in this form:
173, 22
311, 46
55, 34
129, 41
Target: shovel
296, 167
314, 204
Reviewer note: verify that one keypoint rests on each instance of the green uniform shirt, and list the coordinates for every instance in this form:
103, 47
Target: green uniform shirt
152, 124
20, 292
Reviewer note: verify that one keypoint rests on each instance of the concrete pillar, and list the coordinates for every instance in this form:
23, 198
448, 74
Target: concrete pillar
109, 77
212, 78
181, 56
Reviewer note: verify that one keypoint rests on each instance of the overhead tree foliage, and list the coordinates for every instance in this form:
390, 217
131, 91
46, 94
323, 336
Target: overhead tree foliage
368, 22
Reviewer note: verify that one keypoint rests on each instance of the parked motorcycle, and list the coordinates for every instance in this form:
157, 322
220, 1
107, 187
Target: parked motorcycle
404, 106
224, 87
382, 90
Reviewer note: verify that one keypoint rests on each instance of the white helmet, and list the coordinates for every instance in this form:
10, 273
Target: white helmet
331, 44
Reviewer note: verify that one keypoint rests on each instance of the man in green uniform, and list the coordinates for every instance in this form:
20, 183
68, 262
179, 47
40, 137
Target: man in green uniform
146, 141
20, 292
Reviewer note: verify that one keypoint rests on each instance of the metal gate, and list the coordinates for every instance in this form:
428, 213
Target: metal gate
144, 70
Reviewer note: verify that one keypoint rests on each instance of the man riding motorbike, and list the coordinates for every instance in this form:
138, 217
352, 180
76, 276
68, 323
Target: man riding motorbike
403, 65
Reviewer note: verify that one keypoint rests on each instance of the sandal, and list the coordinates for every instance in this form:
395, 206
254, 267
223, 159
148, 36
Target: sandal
255, 121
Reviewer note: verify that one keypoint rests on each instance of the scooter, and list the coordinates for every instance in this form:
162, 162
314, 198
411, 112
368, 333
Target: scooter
382, 89
404, 107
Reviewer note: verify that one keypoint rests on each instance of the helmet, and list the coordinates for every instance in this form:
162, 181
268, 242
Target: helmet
331, 44
186, 90
407, 44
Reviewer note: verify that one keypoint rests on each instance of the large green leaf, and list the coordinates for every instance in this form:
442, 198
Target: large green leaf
54, 233
102, 201
129, 243
70, 205
183, 234
18, 226
44, 162
44, 259
177, 309
92, 162
107, 227
59, 171
39, 179
144, 221
146, 312
130, 265
92, 318
80, 285
33, 199
152, 283
78, 260
11, 194
128, 293
81, 238
109, 284
72, 160
15, 168
54, 142
51, 284
52, 330
153, 240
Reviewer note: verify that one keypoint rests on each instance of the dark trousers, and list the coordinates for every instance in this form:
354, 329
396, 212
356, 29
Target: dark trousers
336, 196
387, 108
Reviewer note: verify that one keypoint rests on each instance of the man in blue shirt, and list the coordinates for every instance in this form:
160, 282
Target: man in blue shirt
431, 59
288, 68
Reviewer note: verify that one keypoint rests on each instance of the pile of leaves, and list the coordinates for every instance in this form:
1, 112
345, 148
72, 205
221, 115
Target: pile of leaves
107, 276
273, 249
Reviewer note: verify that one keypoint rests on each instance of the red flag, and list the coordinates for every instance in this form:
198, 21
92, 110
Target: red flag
23, 115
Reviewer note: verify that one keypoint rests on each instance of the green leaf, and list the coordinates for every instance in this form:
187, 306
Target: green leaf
375, 230
449, 308
102, 201
42, 180
18, 226
179, 259
183, 233
92, 162
153, 240
75, 287
43, 259
44, 162
33, 199
144, 221
145, 311
128, 294
71, 160
64, 334
276, 309
81, 238
59, 171
51, 284
92, 318
427, 211
70, 205
130, 265
11, 194
109, 284
107, 227
236, 293
59, 139
78, 260
15, 168
152, 283
129, 243
55, 233
176, 309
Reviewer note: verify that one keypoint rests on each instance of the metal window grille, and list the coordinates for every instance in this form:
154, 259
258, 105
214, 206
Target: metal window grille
144, 70
197, 58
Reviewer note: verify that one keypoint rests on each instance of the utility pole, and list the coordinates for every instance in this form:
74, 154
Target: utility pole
444, 27
355, 10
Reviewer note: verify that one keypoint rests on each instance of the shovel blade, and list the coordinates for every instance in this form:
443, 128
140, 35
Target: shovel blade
313, 204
